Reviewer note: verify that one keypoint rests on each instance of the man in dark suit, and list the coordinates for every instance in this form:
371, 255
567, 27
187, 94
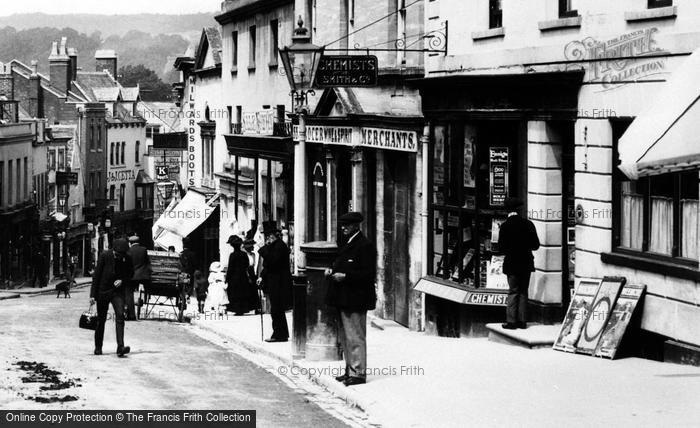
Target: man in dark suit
517, 240
352, 292
276, 280
142, 273
112, 275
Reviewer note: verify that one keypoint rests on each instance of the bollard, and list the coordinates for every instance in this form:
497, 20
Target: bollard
321, 319
299, 316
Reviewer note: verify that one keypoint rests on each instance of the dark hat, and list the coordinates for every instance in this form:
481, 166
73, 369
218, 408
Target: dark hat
234, 240
270, 227
511, 203
353, 217
120, 245
134, 239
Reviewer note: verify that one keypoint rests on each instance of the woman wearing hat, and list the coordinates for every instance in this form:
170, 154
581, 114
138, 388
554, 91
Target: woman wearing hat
242, 294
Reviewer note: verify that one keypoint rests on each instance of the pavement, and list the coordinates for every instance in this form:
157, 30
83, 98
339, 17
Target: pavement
50, 288
421, 380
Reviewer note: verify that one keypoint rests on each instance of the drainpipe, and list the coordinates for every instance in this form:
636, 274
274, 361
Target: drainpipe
425, 146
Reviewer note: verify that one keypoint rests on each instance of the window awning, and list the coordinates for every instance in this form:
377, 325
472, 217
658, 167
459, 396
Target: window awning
180, 220
666, 137
260, 146
465, 295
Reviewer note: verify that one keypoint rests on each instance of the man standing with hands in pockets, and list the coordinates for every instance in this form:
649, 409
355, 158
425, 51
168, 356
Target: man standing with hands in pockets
352, 291
112, 275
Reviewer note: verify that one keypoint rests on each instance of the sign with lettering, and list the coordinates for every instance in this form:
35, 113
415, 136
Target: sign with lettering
620, 59
162, 172
258, 122
167, 153
380, 138
63, 177
121, 175
347, 70
498, 175
487, 299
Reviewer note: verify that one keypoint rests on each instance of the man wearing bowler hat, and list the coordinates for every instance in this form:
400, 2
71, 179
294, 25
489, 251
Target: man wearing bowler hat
276, 280
517, 240
352, 292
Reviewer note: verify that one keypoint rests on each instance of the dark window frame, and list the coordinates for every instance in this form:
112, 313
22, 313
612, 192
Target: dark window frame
653, 4
495, 14
252, 46
274, 42
565, 10
234, 51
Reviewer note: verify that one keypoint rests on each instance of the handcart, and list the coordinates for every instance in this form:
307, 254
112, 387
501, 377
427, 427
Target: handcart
168, 286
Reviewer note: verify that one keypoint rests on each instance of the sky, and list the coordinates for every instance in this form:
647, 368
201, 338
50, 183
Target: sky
10, 7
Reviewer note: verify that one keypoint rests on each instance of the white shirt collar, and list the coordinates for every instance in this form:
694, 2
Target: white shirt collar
511, 214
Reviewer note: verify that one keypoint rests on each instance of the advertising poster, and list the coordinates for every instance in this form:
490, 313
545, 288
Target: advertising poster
577, 313
469, 139
619, 320
496, 278
498, 176
496, 229
598, 316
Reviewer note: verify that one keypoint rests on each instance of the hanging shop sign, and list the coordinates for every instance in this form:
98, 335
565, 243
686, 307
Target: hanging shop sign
165, 153
379, 138
498, 176
63, 177
258, 122
162, 172
347, 70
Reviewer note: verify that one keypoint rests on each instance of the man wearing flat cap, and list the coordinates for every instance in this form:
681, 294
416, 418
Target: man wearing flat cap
112, 274
517, 240
142, 273
276, 280
352, 292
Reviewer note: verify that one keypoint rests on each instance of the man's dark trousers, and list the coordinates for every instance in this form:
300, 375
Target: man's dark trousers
280, 330
516, 310
116, 298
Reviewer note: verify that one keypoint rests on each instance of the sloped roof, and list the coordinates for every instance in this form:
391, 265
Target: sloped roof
161, 114
123, 115
106, 94
369, 101
209, 42
26, 71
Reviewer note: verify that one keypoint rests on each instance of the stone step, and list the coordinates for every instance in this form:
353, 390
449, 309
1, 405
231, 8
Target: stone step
534, 336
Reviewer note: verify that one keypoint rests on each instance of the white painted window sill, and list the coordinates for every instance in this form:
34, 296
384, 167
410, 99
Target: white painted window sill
650, 14
561, 23
491, 33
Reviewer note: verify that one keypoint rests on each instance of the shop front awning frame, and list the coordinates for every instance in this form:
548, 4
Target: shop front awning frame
268, 147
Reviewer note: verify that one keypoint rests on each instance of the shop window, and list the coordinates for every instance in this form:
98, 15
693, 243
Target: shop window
567, 9
495, 14
651, 4
52, 159
469, 184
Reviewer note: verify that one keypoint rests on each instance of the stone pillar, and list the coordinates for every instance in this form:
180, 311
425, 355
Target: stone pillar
330, 197
358, 185
381, 309
321, 319
544, 206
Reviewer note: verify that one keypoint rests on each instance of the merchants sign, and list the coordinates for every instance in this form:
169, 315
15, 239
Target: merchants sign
347, 70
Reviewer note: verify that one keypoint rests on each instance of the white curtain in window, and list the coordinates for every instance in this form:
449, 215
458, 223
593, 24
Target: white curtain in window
632, 232
689, 231
661, 225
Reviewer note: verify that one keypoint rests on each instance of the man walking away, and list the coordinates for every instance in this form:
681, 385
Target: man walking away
517, 240
142, 273
112, 274
352, 292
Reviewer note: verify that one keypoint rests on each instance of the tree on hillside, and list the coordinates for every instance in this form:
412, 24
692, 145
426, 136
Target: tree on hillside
152, 87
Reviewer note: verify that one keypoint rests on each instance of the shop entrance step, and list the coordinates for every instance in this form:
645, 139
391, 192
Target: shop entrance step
534, 336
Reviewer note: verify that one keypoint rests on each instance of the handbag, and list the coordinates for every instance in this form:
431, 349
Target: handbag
88, 319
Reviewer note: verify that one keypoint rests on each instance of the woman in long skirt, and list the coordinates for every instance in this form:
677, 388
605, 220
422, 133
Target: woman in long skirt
242, 294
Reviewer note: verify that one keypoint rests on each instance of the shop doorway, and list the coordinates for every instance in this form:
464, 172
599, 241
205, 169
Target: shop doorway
343, 178
396, 218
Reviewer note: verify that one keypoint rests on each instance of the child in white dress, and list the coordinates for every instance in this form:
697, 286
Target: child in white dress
216, 295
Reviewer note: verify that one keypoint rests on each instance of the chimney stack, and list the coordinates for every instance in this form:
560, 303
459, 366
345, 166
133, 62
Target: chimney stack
35, 108
73, 56
106, 59
59, 67
7, 82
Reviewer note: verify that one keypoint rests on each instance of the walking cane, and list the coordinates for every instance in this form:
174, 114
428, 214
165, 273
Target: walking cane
260, 301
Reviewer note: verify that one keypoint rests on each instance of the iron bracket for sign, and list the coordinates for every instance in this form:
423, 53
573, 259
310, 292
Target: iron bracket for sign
300, 99
436, 41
